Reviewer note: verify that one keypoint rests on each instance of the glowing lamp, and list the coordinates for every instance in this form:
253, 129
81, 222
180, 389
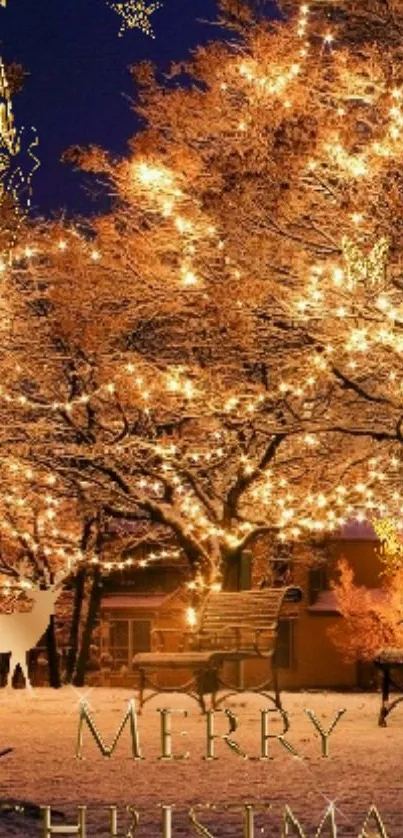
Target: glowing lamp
191, 617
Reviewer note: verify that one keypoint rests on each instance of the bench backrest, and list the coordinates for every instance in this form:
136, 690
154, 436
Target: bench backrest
242, 620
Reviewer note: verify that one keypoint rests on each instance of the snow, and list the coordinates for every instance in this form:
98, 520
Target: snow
364, 765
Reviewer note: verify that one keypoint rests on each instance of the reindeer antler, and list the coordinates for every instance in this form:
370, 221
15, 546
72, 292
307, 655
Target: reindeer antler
8, 570
59, 578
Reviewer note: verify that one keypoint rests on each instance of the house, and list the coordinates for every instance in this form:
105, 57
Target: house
136, 606
313, 660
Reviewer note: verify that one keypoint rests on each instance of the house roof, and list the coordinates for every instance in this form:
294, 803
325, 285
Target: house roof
147, 601
357, 530
327, 601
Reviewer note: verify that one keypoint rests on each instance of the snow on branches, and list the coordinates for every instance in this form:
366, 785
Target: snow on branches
228, 361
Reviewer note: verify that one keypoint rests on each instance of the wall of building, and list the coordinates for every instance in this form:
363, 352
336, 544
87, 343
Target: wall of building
316, 661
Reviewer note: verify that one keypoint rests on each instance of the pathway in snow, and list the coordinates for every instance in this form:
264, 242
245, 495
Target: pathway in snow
364, 766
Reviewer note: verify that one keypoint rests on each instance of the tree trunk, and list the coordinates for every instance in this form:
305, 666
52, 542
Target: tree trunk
75, 624
53, 657
93, 608
230, 562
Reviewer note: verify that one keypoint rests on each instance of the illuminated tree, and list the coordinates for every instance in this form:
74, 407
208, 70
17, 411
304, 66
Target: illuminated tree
185, 339
372, 619
264, 244
141, 439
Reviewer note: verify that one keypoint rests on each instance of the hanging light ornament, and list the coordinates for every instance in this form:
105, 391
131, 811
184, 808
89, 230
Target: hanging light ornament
14, 182
367, 268
135, 15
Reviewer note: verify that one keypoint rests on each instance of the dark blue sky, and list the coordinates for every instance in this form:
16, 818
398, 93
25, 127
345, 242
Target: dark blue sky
75, 93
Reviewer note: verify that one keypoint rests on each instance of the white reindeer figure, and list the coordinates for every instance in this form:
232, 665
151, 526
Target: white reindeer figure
20, 632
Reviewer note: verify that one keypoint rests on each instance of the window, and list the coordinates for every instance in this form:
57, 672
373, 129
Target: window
127, 637
284, 644
141, 636
119, 643
317, 582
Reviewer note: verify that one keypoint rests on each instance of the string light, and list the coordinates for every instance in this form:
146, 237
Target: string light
154, 556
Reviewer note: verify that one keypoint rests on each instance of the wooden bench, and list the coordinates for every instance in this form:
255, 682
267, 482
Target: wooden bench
233, 627
389, 661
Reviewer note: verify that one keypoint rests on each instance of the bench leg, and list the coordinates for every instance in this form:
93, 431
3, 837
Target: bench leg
141, 689
385, 696
200, 679
276, 684
214, 700
202, 703
207, 682
215, 686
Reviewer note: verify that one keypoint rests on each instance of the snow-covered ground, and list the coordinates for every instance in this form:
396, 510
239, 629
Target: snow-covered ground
364, 766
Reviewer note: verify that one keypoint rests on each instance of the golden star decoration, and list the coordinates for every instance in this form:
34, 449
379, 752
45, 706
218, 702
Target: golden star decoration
367, 268
9, 142
8, 134
391, 547
136, 15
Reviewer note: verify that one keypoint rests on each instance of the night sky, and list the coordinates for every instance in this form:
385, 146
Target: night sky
78, 85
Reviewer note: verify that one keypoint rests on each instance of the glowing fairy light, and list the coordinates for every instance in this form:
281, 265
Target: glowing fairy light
188, 277
153, 176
